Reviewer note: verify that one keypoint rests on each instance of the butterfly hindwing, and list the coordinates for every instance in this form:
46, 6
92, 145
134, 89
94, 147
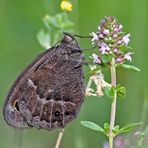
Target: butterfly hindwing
49, 93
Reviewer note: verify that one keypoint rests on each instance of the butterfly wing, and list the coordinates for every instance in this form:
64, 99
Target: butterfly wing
11, 109
49, 93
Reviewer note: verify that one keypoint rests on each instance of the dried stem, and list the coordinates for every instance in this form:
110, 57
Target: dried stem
18, 138
113, 105
59, 139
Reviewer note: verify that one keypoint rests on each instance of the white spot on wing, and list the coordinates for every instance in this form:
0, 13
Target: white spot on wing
30, 82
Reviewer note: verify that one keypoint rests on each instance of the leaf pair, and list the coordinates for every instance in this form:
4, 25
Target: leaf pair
54, 28
59, 22
116, 130
111, 91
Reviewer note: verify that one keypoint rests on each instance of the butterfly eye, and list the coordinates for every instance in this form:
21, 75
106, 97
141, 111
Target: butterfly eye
57, 113
16, 105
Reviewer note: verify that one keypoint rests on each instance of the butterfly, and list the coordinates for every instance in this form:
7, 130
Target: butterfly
48, 94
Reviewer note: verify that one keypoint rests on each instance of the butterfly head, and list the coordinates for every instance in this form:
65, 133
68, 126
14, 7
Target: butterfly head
70, 42
68, 38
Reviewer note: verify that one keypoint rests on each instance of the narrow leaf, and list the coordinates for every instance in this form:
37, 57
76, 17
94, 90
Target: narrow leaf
130, 67
92, 126
129, 127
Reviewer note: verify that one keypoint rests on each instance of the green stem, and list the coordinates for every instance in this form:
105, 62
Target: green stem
140, 142
110, 142
113, 105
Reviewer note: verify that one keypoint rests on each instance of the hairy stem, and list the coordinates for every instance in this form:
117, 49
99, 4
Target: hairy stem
113, 105
59, 139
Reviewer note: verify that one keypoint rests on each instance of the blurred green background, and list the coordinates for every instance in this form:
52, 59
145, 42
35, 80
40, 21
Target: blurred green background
20, 20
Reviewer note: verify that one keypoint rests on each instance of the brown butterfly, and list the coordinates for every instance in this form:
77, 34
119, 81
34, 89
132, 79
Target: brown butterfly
48, 94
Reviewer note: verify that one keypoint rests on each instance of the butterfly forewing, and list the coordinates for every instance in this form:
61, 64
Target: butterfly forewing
49, 93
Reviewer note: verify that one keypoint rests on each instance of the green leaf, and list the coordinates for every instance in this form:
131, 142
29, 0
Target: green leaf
67, 25
109, 91
129, 127
58, 22
51, 23
105, 58
146, 131
116, 130
125, 48
94, 71
106, 128
92, 126
121, 91
60, 18
44, 39
130, 67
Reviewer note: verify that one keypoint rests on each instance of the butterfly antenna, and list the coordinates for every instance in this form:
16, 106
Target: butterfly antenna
80, 36
76, 35
88, 37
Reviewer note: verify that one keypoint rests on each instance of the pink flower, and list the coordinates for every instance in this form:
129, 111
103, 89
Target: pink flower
119, 59
126, 39
116, 50
116, 29
104, 48
119, 42
101, 36
128, 57
106, 32
115, 35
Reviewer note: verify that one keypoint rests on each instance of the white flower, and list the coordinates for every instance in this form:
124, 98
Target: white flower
90, 92
128, 57
99, 82
95, 37
126, 39
99, 28
96, 59
92, 67
120, 26
104, 48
